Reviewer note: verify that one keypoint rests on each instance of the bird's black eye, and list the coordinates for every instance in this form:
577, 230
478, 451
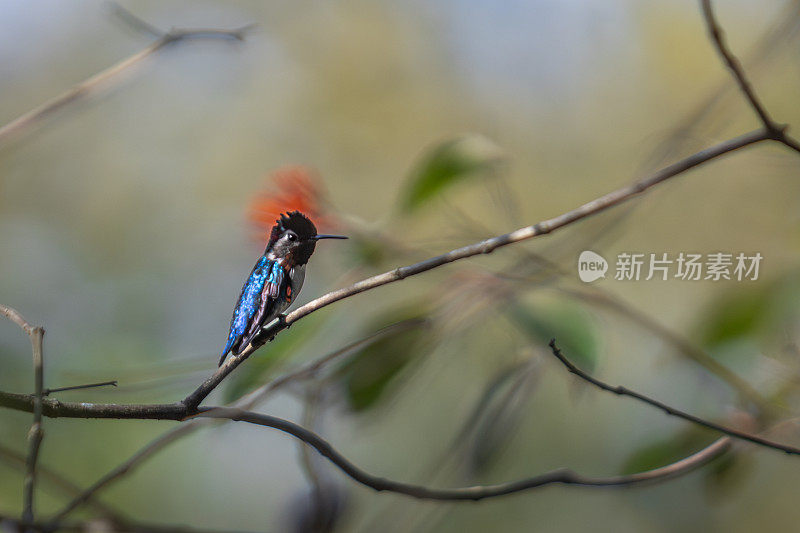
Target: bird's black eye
291, 236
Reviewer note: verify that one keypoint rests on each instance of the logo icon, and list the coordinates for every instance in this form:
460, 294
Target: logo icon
591, 266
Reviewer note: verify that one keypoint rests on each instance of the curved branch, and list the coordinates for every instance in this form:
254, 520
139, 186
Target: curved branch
623, 391
476, 492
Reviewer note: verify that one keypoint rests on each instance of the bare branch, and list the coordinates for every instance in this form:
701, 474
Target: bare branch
623, 391
735, 67
14, 316
691, 351
35, 434
476, 492
776, 131
57, 409
104, 77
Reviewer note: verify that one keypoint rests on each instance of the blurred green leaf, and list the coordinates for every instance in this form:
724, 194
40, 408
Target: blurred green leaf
735, 316
667, 451
727, 473
498, 413
367, 374
568, 323
449, 163
260, 365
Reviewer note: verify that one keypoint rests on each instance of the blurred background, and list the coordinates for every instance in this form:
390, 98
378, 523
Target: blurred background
130, 218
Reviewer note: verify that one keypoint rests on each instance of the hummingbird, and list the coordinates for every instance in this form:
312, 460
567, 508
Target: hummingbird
275, 281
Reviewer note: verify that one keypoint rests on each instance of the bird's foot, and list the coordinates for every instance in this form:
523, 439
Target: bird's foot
282, 321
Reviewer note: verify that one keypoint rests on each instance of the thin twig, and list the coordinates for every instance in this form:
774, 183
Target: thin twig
735, 67
112, 383
95, 82
134, 21
596, 295
623, 391
476, 492
14, 316
36, 433
693, 352
776, 131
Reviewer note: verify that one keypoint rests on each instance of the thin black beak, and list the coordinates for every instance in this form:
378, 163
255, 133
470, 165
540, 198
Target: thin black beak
318, 237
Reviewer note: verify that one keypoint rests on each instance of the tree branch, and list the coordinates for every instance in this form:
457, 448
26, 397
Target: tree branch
476, 492
35, 434
776, 131
93, 83
623, 391
746, 391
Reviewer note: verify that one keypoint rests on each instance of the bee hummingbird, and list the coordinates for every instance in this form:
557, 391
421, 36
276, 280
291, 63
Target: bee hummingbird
275, 280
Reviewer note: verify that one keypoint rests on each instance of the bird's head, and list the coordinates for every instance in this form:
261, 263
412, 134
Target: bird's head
294, 236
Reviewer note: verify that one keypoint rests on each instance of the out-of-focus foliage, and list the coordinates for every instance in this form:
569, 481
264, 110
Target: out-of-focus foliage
567, 322
667, 450
762, 316
737, 315
367, 375
497, 415
448, 163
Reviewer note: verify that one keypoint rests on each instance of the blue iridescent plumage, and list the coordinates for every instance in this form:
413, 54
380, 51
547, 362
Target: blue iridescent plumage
275, 280
259, 294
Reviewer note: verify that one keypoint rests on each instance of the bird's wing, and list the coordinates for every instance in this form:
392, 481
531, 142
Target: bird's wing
247, 305
273, 288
